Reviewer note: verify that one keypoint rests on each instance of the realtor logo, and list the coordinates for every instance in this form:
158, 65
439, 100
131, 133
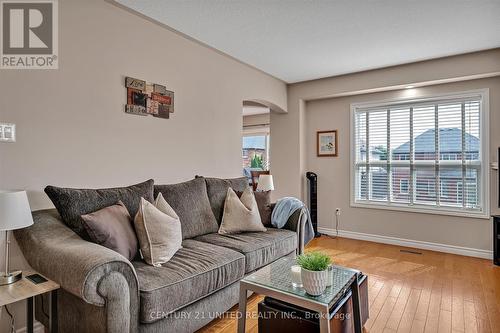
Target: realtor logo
29, 34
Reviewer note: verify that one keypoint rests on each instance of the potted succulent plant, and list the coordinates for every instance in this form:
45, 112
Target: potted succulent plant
314, 272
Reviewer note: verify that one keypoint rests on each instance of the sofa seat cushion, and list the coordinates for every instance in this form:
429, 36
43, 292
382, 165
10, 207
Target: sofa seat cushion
259, 248
198, 269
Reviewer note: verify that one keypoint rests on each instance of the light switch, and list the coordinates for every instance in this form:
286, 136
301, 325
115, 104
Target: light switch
7, 132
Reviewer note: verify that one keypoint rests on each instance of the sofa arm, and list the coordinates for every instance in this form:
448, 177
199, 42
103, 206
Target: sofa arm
93, 273
296, 223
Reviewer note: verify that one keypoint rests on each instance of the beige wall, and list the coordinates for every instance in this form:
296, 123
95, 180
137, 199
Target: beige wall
333, 174
71, 128
292, 145
257, 119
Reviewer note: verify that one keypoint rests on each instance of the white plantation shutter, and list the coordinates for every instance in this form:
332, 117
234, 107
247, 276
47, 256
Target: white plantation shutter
377, 136
422, 154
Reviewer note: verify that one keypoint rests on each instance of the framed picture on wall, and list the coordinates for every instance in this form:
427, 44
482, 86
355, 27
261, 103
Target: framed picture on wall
326, 143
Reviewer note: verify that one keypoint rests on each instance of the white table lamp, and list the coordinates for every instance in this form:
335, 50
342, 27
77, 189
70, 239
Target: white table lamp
15, 213
265, 183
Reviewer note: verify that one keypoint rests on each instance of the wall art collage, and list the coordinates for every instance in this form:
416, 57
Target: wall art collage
148, 99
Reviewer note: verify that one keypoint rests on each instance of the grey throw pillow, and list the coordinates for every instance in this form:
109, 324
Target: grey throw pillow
217, 191
112, 227
71, 203
190, 201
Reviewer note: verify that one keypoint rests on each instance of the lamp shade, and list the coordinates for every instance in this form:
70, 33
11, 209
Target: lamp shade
15, 211
265, 183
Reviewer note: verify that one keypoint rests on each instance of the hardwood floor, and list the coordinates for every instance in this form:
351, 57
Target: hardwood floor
427, 292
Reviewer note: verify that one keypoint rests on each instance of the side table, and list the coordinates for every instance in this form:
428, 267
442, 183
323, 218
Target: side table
24, 289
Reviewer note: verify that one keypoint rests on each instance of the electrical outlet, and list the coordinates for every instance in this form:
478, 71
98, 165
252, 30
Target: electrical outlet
337, 211
7, 132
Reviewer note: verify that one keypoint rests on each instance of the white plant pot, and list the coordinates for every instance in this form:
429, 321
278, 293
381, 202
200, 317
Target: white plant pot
314, 282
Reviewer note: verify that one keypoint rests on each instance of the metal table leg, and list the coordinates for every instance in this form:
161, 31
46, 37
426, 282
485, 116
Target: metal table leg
324, 321
242, 308
29, 314
356, 306
53, 312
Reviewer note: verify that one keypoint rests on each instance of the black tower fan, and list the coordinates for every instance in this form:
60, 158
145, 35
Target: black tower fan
313, 200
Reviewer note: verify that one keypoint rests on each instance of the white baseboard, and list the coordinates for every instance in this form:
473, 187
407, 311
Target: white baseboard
460, 250
37, 328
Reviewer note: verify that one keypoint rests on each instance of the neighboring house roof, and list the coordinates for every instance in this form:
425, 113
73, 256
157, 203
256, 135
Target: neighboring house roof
379, 151
375, 150
254, 142
424, 143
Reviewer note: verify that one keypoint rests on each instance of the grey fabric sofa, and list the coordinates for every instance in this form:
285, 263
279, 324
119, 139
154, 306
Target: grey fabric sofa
101, 291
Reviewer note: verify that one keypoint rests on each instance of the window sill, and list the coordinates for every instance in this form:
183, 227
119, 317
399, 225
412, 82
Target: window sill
421, 209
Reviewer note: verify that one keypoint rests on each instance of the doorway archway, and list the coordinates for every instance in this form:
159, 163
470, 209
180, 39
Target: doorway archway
256, 135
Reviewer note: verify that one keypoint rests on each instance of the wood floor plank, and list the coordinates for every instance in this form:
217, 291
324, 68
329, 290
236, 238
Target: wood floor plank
432, 320
432, 292
418, 326
446, 298
397, 312
470, 323
457, 314
379, 302
377, 287
409, 313
381, 320
444, 321
423, 305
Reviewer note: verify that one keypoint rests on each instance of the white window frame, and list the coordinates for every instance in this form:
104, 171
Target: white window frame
484, 194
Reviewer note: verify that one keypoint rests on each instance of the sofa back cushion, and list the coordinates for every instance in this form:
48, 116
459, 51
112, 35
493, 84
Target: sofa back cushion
190, 201
217, 191
71, 203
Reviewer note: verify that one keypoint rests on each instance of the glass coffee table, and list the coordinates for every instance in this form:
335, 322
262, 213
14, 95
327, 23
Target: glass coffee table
275, 280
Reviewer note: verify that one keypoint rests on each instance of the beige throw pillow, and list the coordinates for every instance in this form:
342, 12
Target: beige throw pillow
158, 229
240, 214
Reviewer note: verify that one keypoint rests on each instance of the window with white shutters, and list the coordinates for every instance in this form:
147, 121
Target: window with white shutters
422, 155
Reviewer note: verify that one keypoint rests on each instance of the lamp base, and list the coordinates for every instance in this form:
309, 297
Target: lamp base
11, 277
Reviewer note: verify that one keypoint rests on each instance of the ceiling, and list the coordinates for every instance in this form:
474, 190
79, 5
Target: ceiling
298, 40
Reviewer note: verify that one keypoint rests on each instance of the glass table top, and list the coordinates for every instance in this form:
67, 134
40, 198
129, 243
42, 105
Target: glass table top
278, 277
